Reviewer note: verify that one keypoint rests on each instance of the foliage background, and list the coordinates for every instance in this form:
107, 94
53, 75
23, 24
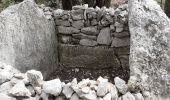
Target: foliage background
6, 3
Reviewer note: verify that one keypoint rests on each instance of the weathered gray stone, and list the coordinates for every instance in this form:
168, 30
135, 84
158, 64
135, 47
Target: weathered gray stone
124, 59
27, 39
67, 30
60, 22
121, 85
65, 39
88, 42
84, 36
94, 22
123, 50
87, 57
119, 27
150, 47
120, 42
104, 36
78, 24
77, 14
121, 34
90, 30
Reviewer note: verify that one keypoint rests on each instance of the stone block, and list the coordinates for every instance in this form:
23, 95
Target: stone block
90, 30
120, 42
87, 57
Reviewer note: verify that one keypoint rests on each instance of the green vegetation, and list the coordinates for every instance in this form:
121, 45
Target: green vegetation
6, 3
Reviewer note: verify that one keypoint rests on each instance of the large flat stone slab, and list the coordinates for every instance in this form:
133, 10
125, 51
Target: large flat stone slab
27, 39
87, 57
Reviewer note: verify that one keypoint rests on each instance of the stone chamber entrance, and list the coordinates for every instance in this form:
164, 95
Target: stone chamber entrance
93, 42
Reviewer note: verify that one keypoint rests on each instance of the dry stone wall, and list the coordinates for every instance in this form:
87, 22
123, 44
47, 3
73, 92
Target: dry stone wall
93, 37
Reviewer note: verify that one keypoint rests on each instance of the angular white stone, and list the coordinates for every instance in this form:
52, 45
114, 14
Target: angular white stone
74, 97
85, 89
107, 97
35, 77
138, 96
4, 96
67, 90
53, 87
19, 90
90, 96
102, 89
113, 90
128, 96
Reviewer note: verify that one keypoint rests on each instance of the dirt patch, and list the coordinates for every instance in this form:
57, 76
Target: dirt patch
67, 74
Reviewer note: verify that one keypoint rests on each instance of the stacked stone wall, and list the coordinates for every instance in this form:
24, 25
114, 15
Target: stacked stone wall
90, 36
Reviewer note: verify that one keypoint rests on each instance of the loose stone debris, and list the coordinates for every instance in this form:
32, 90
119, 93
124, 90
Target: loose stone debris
31, 86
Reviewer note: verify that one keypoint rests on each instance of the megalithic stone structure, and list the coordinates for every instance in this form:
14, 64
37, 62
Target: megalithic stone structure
27, 39
150, 47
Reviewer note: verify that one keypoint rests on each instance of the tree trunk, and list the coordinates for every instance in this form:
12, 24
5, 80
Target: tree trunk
167, 8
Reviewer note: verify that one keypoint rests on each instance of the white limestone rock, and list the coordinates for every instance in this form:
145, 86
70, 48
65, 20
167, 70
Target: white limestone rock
113, 90
128, 96
53, 87
67, 90
44, 96
35, 78
121, 85
19, 90
138, 96
6, 72
74, 97
132, 83
101, 79
107, 97
4, 96
90, 96
86, 89
6, 87
103, 89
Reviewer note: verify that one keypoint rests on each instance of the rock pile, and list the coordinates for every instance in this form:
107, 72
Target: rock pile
93, 26
31, 86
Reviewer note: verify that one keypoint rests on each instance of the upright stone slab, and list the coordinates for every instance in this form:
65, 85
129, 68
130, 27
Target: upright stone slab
150, 47
27, 39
